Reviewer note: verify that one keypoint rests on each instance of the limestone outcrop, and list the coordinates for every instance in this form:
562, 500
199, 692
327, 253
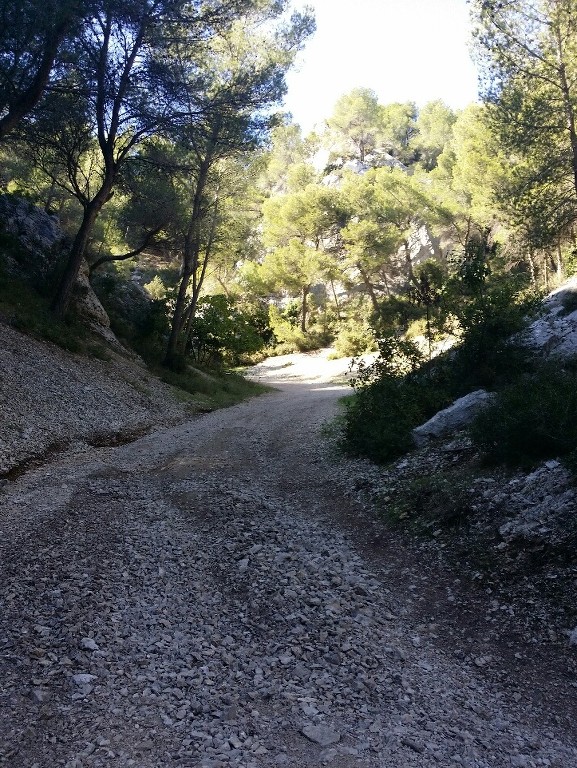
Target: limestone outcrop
456, 417
555, 332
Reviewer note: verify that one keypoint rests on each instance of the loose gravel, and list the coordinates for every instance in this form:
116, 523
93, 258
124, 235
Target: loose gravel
191, 599
50, 399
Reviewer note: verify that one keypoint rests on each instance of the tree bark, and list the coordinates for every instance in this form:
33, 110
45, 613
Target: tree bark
172, 346
198, 278
386, 283
559, 262
429, 332
336, 299
370, 287
179, 317
532, 270
190, 264
305, 294
409, 262
112, 158
131, 254
65, 289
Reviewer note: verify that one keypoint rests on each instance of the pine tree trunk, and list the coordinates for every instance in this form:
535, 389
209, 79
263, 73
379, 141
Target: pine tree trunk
305, 310
190, 265
532, 269
172, 347
61, 301
559, 263
409, 263
370, 288
336, 299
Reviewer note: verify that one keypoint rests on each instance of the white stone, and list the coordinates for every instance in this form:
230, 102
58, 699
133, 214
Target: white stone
83, 679
88, 644
453, 418
321, 734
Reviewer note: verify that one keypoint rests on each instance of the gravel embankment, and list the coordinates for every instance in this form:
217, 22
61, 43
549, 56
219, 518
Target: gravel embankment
50, 398
195, 599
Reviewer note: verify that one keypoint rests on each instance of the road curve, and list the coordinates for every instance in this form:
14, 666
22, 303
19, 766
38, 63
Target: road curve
192, 599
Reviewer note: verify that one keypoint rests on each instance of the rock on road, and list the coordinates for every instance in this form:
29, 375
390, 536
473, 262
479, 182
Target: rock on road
191, 599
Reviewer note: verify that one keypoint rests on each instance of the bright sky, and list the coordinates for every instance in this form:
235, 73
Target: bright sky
404, 50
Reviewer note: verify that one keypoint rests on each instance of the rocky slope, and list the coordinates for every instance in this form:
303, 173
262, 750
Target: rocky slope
51, 399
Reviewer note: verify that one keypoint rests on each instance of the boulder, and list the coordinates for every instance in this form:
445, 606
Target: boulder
123, 298
321, 734
457, 416
88, 306
87, 302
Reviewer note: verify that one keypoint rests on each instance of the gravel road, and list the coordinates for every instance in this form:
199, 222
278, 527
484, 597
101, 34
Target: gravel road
195, 599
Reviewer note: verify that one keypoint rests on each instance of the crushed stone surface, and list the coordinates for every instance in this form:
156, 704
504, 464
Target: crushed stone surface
50, 398
195, 599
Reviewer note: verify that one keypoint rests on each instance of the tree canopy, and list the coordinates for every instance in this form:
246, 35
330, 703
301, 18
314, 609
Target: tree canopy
155, 131
528, 53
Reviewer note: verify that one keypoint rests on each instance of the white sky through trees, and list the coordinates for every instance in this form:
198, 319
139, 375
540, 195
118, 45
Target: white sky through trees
404, 50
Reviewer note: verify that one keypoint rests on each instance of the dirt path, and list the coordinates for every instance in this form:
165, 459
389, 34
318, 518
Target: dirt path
198, 598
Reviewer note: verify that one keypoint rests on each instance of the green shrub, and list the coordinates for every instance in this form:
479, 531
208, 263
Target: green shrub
392, 396
395, 312
402, 389
156, 289
533, 419
417, 328
287, 332
291, 339
485, 310
354, 339
378, 420
486, 365
225, 331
